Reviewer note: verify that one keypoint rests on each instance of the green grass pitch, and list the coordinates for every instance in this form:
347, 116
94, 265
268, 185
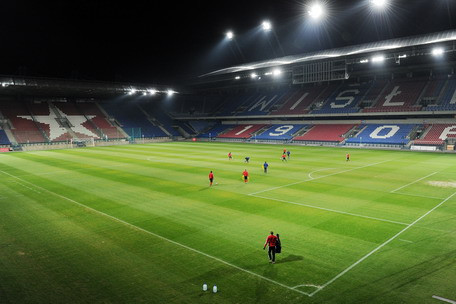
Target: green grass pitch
139, 224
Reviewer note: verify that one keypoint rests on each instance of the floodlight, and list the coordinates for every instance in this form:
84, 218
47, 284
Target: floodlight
253, 75
379, 4
437, 51
153, 92
237, 77
402, 56
229, 35
132, 91
378, 59
316, 11
364, 61
267, 26
144, 93
170, 92
276, 72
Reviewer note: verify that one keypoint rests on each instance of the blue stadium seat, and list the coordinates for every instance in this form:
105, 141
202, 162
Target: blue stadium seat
3, 138
395, 134
280, 132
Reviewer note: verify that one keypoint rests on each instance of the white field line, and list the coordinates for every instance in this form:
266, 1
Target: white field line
310, 174
307, 180
444, 300
380, 246
25, 186
407, 241
158, 236
417, 195
330, 210
420, 179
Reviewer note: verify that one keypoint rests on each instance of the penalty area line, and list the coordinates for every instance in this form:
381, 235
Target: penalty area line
158, 236
415, 181
312, 179
330, 210
380, 246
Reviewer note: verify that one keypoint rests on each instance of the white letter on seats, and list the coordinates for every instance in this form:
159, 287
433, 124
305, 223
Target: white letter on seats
282, 130
448, 131
390, 96
348, 99
390, 134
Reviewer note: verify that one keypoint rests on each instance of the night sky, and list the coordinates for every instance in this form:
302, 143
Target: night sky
169, 42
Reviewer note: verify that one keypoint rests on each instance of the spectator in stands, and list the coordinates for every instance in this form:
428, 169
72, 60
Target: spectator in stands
230, 156
271, 240
265, 167
247, 158
211, 178
288, 154
246, 176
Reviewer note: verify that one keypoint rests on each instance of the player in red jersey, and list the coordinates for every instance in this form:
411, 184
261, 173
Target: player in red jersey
347, 157
271, 240
246, 176
230, 157
211, 178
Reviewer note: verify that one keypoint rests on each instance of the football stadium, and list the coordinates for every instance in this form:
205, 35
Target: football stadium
137, 192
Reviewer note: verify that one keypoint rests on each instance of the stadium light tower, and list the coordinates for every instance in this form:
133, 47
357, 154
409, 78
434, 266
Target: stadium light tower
316, 11
266, 25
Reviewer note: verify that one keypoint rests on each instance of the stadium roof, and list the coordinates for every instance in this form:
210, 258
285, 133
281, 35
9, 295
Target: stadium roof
386, 45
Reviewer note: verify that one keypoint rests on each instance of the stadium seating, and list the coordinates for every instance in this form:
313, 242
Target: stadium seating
3, 138
279, 132
327, 133
215, 131
399, 96
262, 103
387, 134
298, 101
448, 100
90, 109
24, 130
241, 131
344, 100
132, 120
437, 134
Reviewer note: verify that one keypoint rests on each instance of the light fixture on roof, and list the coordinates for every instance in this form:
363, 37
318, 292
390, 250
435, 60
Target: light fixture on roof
364, 61
378, 59
237, 77
152, 92
132, 91
253, 75
170, 92
379, 4
438, 51
266, 25
276, 72
229, 35
316, 11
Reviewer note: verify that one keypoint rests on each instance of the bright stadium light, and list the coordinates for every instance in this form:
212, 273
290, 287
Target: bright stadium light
153, 92
277, 72
132, 91
379, 4
253, 75
266, 25
144, 93
364, 61
316, 11
378, 59
170, 92
237, 77
229, 35
437, 51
